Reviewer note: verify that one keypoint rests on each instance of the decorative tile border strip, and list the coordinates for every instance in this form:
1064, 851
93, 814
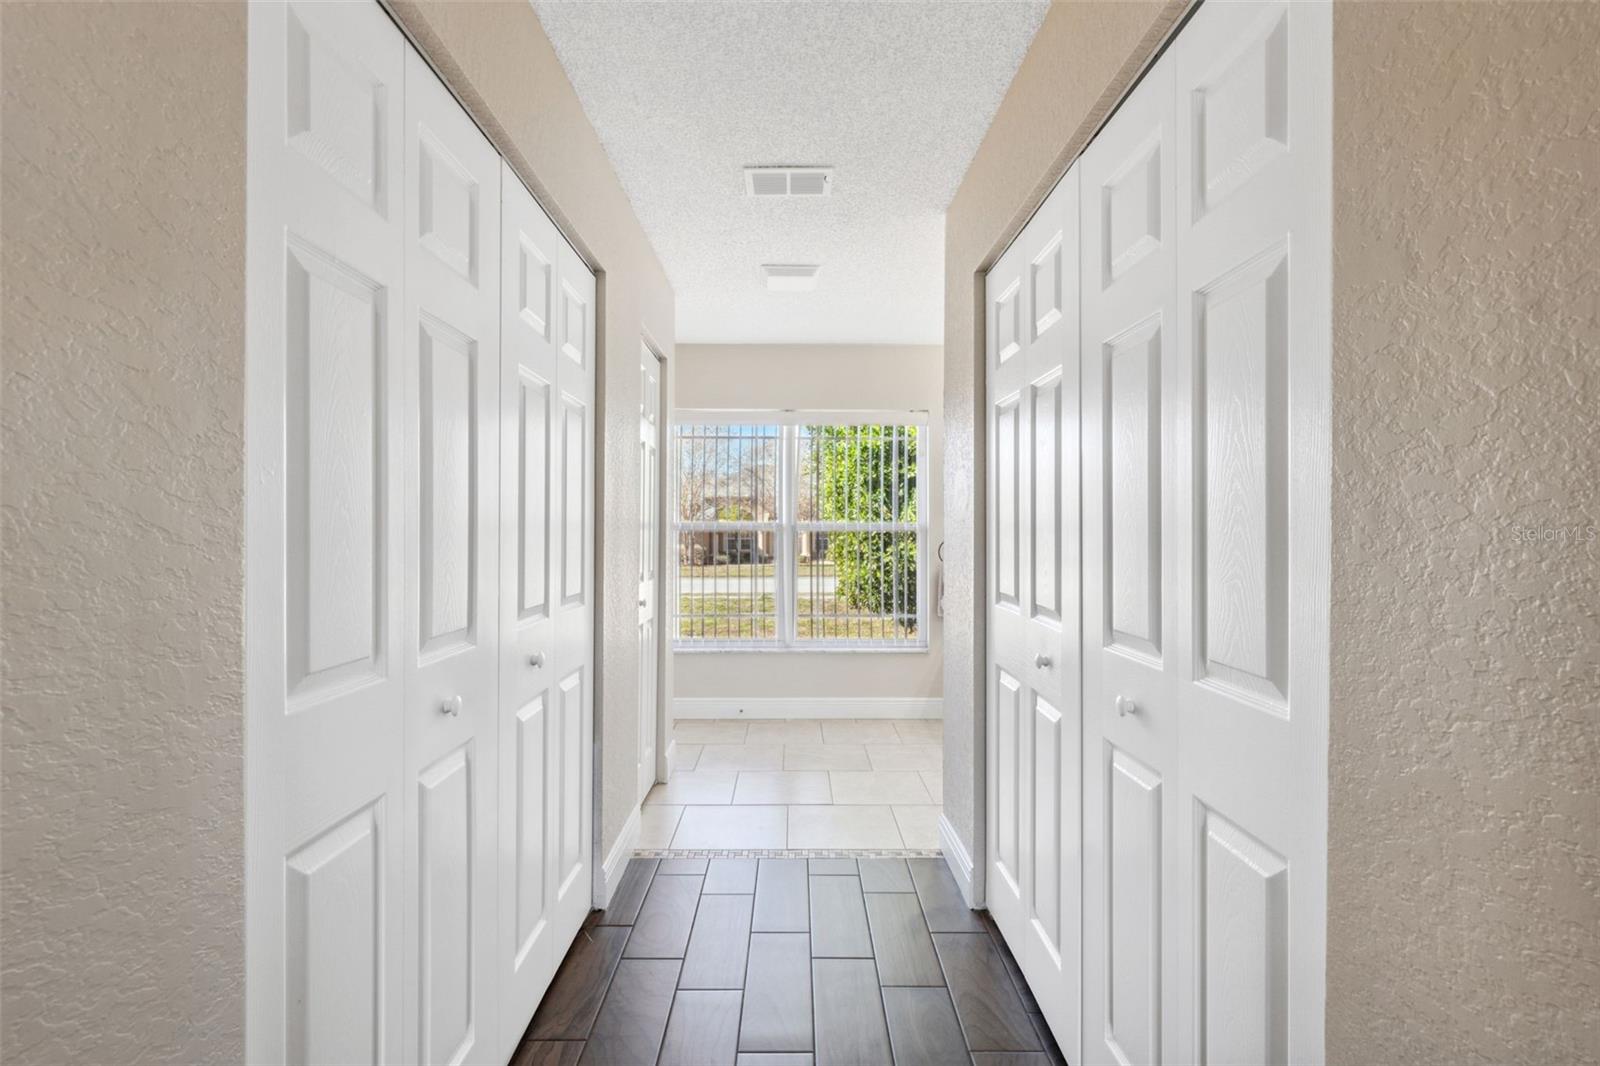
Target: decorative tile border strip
787, 853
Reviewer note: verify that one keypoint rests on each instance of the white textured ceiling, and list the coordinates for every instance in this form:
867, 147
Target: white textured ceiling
894, 95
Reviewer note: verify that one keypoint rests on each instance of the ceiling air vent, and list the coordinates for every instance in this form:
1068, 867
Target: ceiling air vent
791, 277
788, 181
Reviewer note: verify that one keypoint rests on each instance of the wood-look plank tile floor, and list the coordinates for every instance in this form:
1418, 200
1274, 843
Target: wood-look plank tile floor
783, 962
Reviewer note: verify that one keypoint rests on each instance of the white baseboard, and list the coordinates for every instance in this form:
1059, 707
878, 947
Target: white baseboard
617, 860
803, 707
960, 863
672, 758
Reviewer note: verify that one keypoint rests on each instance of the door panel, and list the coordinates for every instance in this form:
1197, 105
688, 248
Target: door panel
1130, 600
572, 884
1132, 448
1034, 876
325, 787
1253, 261
452, 329
445, 832
528, 952
1132, 914
334, 924
543, 727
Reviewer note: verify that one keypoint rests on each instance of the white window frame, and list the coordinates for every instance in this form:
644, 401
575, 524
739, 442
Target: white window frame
787, 528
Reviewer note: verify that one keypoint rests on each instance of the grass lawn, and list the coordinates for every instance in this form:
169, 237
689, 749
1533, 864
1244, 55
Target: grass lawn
817, 569
751, 617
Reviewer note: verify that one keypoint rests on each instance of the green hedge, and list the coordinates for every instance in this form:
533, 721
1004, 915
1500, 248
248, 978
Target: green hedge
864, 471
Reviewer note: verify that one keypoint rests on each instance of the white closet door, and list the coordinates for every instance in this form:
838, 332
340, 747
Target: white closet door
451, 334
1206, 524
1253, 270
530, 944
1009, 668
1132, 458
570, 784
325, 799
649, 548
1034, 757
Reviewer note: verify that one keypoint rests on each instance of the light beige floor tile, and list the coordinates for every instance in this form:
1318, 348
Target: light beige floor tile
740, 757
843, 827
920, 730
825, 757
686, 756
731, 827
859, 731
695, 786
934, 780
899, 756
657, 823
793, 731
710, 730
878, 786
783, 786
919, 826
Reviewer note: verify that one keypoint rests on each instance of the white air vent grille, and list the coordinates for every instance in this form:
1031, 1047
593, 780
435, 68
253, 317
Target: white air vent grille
791, 277
788, 181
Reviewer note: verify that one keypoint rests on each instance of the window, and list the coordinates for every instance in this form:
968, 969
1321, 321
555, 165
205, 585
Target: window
800, 531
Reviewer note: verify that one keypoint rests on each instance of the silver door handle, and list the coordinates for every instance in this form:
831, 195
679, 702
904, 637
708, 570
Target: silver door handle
536, 660
643, 603
1041, 661
451, 706
1125, 707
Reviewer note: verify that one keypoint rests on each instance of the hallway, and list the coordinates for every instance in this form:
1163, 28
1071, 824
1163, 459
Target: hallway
800, 784
782, 962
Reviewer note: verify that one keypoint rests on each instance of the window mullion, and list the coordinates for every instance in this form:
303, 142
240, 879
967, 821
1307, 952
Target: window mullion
784, 557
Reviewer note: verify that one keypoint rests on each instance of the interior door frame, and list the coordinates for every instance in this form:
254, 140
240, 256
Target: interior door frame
977, 861
665, 746
597, 854
258, 792
976, 865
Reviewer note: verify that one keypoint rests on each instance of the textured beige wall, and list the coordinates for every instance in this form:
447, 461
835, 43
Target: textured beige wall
822, 377
122, 264
1085, 54
496, 58
1464, 837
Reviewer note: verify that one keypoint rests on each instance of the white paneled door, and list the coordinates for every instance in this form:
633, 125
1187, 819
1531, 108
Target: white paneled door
1253, 269
419, 572
649, 550
1205, 327
1130, 606
539, 797
326, 609
570, 782
451, 498
1034, 873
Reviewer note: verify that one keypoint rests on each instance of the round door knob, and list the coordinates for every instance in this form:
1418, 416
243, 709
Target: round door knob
643, 603
451, 706
1041, 661
536, 660
1125, 707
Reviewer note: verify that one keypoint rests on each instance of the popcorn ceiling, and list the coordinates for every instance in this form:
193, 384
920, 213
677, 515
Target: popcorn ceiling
895, 96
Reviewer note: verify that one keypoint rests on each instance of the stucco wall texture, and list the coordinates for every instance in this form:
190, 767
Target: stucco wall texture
1084, 56
122, 265
498, 61
1464, 836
